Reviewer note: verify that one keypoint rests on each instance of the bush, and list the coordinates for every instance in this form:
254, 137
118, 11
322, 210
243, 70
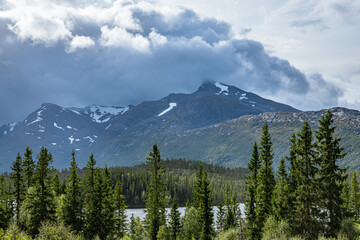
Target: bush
276, 230
52, 231
231, 234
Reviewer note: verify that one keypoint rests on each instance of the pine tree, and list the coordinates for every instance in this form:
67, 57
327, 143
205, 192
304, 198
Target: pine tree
107, 219
205, 209
266, 180
252, 185
331, 175
155, 202
120, 211
230, 218
18, 182
281, 194
306, 211
174, 223
220, 222
197, 190
56, 184
5, 202
293, 178
354, 197
28, 165
41, 202
90, 221
73, 202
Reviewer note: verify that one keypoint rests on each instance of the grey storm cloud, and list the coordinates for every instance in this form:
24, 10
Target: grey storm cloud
123, 53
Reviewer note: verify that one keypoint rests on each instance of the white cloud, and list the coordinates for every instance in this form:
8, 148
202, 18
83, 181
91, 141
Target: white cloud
157, 39
80, 42
119, 37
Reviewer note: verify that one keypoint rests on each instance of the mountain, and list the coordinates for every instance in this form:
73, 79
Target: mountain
218, 123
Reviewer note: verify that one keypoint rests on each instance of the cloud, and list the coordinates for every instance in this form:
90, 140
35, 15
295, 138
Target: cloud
123, 52
80, 42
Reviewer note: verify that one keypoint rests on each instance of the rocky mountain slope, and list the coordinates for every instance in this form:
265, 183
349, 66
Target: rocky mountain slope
217, 123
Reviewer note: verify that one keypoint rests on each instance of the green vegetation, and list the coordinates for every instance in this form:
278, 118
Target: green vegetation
311, 197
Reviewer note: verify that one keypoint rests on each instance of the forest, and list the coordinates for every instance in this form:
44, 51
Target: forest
308, 197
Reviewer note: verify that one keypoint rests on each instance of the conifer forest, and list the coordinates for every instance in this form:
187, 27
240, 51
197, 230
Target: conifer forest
307, 197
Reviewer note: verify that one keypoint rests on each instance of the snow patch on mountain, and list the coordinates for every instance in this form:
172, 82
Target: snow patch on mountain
243, 97
98, 112
38, 118
57, 126
171, 106
71, 139
223, 89
90, 139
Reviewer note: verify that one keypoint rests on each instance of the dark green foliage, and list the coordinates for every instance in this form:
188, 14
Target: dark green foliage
137, 231
41, 202
230, 203
99, 215
306, 210
120, 211
174, 223
155, 202
220, 217
18, 182
73, 202
252, 185
292, 183
281, 194
191, 227
29, 166
5, 202
331, 175
205, 214
197, 192
354, 197
266, 180
56, 184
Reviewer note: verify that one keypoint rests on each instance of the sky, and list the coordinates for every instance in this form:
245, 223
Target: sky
304, 53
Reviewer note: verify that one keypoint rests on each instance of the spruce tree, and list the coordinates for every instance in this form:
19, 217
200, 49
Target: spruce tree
354, 196
28, 165
120, 211
197, 189
155, 202
281, 194
41, 204
56, 184
107, 219
205, 209
220, 222
331, 175
174, 223
306, 210
73, 202
252, 185
266, 180
18, 182
5, 202
91, 201
230, 218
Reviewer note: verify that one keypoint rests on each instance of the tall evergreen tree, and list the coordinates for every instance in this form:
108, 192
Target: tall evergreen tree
73, 202
107, 219
174, 223
56, 184
293, 177
220, 221
5, 202
205, 213
354, 196
197, 189
331, 175
155, 202
29, 166
18, 182
281, 194
41, 202
266, 180
230, 218
306, 210
120, 211
252, 185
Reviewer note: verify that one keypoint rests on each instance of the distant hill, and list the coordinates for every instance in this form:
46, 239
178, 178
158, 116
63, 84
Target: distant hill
218, 123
